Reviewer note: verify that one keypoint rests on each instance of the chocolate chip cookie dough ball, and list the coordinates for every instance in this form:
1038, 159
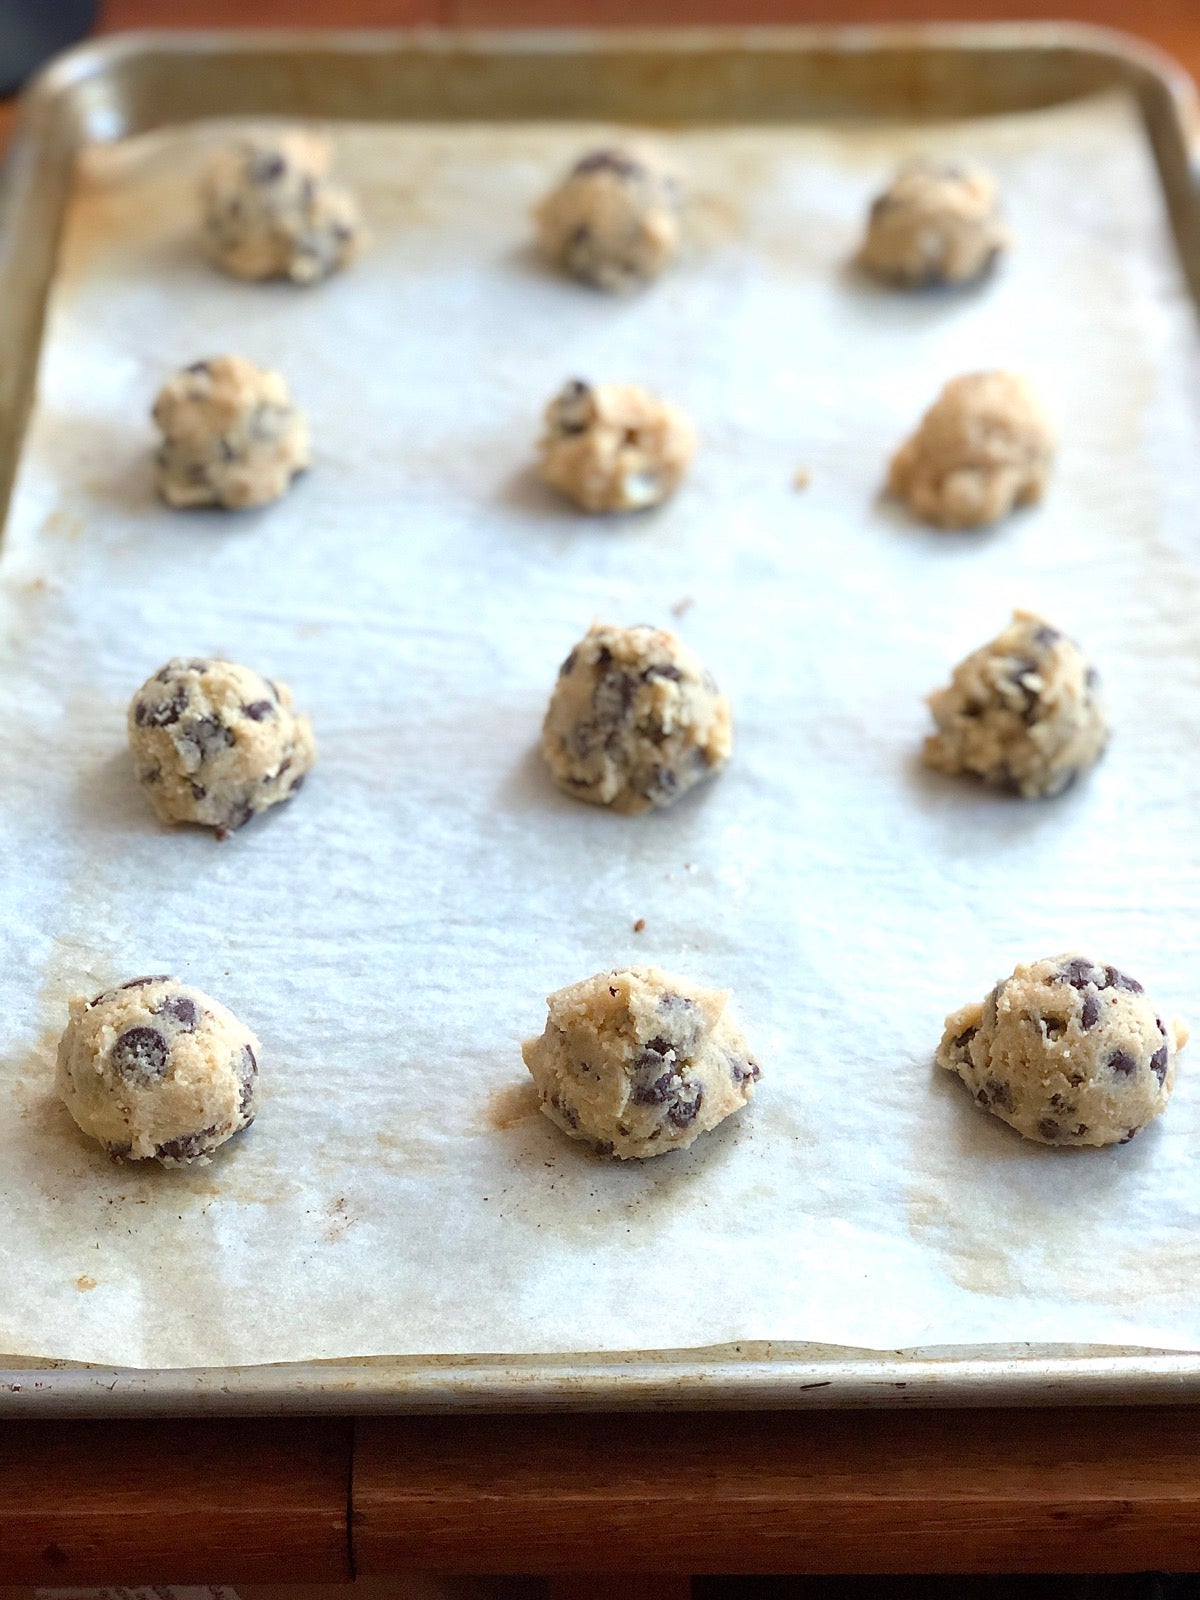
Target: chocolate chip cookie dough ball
614, 221
614, 447
984, 447
1066, 1051
271, 211
934, 224
636, 1062
231, 435
1023, 713
216, 743
635, 720
156, 1070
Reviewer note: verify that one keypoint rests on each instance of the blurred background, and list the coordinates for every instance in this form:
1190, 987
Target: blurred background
33, 29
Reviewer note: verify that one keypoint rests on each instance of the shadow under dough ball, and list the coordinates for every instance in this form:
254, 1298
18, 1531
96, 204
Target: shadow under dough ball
1067, 1051
156, 1070
231, 436
1022, 713
216, 743
635, 720
636, 1062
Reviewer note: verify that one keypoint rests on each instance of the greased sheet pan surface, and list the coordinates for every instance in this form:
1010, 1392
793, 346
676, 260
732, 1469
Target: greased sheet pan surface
391, 935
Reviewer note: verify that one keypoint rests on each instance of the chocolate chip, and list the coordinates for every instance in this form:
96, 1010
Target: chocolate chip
140, 983
1158, 1064
1054, 1027
1092, 678
267, 168
188, 1145
140, 1055
603, 1147
208, 734
199, 792
747, 1071
1045, 637
659, 671
1090, 1015
1121, 980
1079, 1131
613, 697
963, 1039
258, 710
1049, 1129
181, 1010
617, 162
1122, 1063
239, 816
1078, 973
1130, 1133
161, 716
998, 1094
685, 1108
569, 664
197, 366
296, 784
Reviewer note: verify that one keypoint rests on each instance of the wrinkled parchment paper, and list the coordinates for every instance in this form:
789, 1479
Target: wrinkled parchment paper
391, 935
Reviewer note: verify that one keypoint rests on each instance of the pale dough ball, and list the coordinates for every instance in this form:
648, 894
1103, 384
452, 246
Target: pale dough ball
614, 446
231, 435
934, 225
216, 743
636, 1062
157, 1070
270, 210
1066, 1051
614, 221
984, 447
635, 720
1023, 712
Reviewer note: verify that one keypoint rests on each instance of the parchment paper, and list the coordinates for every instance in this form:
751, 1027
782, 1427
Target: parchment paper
393, 933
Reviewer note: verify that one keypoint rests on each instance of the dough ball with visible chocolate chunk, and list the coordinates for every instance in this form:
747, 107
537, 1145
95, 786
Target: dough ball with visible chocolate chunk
231, 435
983, 448
934, 224
156, 1070
615, 220
271, 210
215, 743
1023, 712
614, 446
1066, 1051
636, 1062
635, 720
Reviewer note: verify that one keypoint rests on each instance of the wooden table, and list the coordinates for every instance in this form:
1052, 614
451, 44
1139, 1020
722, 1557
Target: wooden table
1000, 1491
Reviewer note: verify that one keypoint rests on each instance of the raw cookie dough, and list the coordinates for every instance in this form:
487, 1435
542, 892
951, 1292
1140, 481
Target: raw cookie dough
215, 743
1066, 1051
1023, 712
614, 220
636, 1062
270, 211
984, 447
933, 225
231, 435
157, 1070
635, 720
614, 447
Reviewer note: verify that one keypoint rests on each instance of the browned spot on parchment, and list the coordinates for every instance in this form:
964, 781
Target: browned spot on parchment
510, 1105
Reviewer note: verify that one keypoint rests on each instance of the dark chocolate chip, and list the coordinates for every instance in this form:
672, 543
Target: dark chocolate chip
1121, 980
1079, 1131
1130, 1133
1158, 1064
747, 1071
1092, 679
603, 1147
267, 168
1054, 1027
569, 664
685, 1107
296, 784
258, 710
197, 366
208, 734
246, 1069
1049, 1129
1122, 1063
1090, 1015
140, 1055
1078, 973
617, 162
667, 671
1045, 636
613, 698
140, 983
189, 1145
998, 1094
181, 1010
199, 792
963, 1039
161, 716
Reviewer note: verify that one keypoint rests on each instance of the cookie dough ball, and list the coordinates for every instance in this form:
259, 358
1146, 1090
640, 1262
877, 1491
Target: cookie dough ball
1066, 1051
635, 720
156, 1070
984, 447
270, 210
614, 447
231, 435
1023, 713
934, 225
636, 1062
216, 743
614, 221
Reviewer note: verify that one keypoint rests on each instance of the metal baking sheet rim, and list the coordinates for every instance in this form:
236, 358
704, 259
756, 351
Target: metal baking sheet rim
86, 94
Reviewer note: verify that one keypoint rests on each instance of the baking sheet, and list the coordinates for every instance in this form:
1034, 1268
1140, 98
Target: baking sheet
391, 935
